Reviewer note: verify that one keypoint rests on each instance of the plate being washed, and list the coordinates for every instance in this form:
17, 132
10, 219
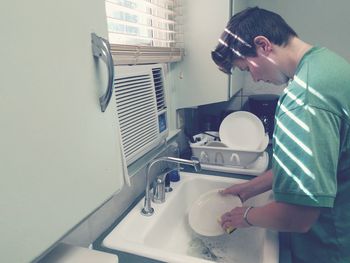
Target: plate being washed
207, 210
242, 130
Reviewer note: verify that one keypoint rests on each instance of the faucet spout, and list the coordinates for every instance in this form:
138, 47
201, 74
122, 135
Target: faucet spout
193, 162
147, 209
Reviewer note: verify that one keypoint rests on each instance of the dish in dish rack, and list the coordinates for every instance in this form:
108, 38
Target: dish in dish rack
242, 130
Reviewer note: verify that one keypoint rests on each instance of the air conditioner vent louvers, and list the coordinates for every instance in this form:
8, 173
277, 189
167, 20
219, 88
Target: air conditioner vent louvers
159, 88
140, 99
138, 113
133, 101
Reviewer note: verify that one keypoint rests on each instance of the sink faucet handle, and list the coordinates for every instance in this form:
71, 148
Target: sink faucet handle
196, 163
159, 190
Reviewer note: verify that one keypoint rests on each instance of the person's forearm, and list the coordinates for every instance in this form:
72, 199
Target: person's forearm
284, 217
258, 185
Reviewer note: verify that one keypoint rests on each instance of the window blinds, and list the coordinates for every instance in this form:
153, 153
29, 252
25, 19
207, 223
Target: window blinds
145, 31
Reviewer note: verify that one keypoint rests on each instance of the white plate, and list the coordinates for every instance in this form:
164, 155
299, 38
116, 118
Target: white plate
242, 130
207, 210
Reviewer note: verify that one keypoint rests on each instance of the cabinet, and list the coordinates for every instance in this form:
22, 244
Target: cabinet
197, 80
59, 154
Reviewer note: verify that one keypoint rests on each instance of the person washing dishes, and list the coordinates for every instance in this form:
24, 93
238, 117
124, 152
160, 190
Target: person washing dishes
310, 175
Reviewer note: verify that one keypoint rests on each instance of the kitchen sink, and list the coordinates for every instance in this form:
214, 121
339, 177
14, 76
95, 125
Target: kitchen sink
166, 235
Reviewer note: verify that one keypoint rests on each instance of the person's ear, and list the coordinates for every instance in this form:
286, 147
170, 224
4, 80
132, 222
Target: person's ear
262, 44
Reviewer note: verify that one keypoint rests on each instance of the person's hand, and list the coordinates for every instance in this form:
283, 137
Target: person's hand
234, 219
239, 190
248, 189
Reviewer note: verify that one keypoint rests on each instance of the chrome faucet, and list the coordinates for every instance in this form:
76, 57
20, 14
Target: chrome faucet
159, 186
147, 209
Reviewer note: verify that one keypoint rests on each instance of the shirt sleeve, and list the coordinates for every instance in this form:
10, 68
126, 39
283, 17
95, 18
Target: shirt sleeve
305, 156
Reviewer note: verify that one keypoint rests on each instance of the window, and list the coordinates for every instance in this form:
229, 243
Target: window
144, 31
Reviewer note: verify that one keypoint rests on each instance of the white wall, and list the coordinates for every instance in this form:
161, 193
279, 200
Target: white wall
319, 22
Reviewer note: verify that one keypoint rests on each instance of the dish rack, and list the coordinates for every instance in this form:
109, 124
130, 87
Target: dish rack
216, 156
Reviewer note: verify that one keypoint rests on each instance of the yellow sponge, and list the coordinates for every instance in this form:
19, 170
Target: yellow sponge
228, 230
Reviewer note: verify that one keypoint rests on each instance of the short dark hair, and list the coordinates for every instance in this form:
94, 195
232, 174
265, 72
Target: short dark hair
237, 40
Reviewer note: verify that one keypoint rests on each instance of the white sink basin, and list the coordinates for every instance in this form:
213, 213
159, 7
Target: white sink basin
166, 235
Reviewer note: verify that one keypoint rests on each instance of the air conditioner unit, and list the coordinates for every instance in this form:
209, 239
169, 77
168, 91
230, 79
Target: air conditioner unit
141, 108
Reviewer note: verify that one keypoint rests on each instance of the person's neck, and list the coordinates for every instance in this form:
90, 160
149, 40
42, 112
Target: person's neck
296, 49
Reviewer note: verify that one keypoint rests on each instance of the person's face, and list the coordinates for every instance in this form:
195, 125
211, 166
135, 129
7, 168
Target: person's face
262, 68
